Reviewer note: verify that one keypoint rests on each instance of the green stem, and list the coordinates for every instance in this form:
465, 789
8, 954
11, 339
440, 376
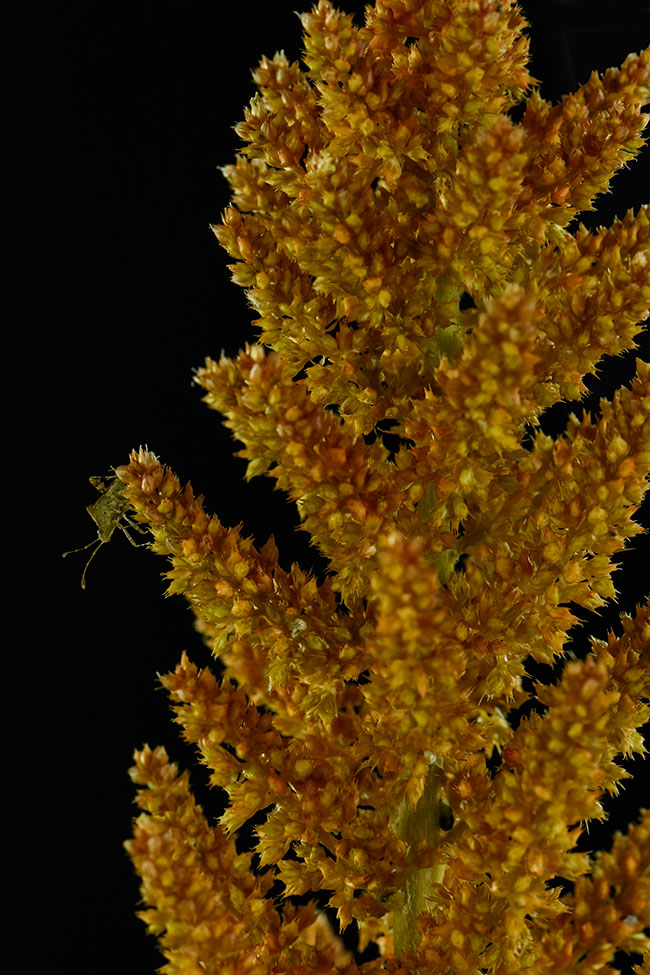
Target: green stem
412, 825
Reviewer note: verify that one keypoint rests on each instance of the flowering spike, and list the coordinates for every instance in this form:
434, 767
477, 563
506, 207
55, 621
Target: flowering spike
405, 245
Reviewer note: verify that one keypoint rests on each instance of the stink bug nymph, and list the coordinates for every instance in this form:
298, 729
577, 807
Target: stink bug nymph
108, 512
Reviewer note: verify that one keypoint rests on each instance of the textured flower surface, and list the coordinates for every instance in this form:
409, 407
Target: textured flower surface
405, 245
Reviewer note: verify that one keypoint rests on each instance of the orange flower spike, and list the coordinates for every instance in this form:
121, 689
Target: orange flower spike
608, 909
467, 62
583, 284
259, 604
491, 395
381, 185
426, 664
262, 770
478, 217
345, 493
526, 819
608, 462
211, 715
577, 145
312, 788
204, 901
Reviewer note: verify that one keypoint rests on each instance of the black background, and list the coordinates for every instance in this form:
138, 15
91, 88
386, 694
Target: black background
142, 99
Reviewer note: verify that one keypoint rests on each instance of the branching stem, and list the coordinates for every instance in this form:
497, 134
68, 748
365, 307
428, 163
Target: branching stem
413, 825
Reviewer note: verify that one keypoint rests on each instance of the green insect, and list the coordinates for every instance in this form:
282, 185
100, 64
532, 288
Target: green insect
108, 512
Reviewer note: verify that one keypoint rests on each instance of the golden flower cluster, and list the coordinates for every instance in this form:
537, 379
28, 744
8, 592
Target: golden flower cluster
404, 244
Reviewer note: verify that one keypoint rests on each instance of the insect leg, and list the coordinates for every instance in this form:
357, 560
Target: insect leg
93, 554
97, 542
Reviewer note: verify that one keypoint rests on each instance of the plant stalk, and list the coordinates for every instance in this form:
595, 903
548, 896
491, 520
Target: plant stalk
412, 825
